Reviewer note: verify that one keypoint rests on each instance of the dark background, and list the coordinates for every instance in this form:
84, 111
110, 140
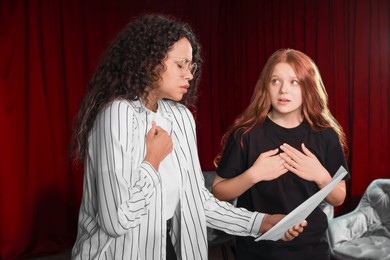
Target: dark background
49, 49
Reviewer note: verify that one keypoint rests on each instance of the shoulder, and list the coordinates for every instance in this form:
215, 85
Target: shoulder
326, 138
254, 133
118, 106
118, 111
172, 105
237, 138
329, 134
177, 109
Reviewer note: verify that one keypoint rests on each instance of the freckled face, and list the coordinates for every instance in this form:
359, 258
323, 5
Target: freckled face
285, 92
174, 81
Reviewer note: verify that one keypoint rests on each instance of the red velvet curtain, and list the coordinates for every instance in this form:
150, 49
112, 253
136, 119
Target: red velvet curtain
48, 50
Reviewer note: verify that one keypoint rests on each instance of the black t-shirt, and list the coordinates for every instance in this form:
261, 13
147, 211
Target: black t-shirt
284, 194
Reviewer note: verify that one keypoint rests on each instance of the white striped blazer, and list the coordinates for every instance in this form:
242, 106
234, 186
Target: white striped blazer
122, 209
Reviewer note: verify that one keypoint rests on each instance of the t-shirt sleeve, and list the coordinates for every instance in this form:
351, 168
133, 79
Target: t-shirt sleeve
335, 155
233, 161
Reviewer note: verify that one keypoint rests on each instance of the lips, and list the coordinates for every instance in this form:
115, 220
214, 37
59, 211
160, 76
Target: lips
184, 88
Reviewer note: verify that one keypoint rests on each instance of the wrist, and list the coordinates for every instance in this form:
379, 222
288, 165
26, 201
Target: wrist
265, 225
153, 161
323, 180
251, 176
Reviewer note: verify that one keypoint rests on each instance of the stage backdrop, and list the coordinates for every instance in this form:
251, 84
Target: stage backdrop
49, 49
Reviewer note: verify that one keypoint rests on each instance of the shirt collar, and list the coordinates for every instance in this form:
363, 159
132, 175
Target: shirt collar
163, 106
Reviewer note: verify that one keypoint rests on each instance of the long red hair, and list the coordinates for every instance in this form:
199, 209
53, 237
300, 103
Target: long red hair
314, 98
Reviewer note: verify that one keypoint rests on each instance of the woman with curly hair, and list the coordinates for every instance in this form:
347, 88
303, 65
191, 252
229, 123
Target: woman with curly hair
280, 151
144, 195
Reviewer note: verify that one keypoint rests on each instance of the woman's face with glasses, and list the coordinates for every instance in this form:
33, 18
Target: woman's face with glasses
179, 71
184, 65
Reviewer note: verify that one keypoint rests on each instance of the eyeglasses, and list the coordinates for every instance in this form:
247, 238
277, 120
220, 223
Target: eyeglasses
185, 65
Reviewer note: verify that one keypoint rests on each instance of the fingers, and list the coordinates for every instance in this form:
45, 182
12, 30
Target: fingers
294, 153
152, 130
155, 130
290, 235
288, 159
297, 229
306, 151
158, 136
159, 130
270, 152
158, 145
293, 157
300, 227
294, 231
291, 152
281, 168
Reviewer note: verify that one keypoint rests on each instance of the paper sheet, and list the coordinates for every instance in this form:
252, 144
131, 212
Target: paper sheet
302, 211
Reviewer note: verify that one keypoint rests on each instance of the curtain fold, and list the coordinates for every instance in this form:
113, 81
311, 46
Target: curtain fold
49, 50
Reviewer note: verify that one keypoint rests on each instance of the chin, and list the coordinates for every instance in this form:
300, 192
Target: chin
176, 99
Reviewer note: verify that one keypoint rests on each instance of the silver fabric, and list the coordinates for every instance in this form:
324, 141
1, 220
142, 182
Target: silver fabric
365, 232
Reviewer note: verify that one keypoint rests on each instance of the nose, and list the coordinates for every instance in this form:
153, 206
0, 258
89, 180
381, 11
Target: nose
188, 75
283, 88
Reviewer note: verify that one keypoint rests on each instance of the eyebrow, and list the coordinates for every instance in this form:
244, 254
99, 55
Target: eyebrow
293, 77
181, 58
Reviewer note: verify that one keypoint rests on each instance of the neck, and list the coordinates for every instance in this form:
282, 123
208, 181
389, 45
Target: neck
286, 121
150, 103
151, 106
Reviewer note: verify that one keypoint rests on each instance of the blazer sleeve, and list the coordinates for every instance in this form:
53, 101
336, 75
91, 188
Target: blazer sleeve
220, 214
124, 188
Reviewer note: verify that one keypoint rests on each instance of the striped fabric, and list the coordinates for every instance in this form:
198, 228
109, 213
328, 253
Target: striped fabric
122, 210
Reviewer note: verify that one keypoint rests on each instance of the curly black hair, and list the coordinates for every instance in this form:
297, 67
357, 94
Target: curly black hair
131, 65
